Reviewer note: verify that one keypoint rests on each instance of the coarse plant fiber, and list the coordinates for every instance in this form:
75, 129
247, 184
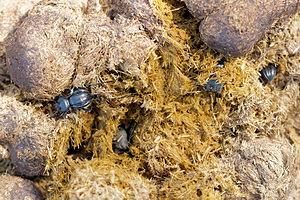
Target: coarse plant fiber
185, 138
104, 179
181, 150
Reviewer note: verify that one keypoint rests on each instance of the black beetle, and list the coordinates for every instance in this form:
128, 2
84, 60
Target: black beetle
122, 138
78, 99
221, 63
213, 85
268, 73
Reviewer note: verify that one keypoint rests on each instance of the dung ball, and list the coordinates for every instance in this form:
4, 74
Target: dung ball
233, 27
42, 51
13, 187
27, 133
28, 157
10, 14
265, 167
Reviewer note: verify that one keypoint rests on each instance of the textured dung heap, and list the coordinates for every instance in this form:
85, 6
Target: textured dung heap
43, 50
13, 187
233, 27
27, 133
144, 62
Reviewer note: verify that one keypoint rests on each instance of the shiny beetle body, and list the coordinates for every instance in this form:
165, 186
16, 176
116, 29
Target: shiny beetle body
122, 138
221, 63
213, 85
78, 99
268, 73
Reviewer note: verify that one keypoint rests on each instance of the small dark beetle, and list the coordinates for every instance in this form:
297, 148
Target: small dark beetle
221, 63
268, 73
213, 85
120, 141
77, 99
122, 138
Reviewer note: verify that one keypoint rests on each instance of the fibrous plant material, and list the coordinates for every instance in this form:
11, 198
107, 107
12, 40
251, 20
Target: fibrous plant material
5, 163
27, 133
13, 187
293, 127
282, 46
42, 52
265, 167
252, 110
292, 37
233, 27
104, 179
138, 9
184, 134
131, 45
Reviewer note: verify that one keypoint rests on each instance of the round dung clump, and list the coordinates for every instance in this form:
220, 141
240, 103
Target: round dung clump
27, 132
265, 167
42, 51
13, 187
233, 27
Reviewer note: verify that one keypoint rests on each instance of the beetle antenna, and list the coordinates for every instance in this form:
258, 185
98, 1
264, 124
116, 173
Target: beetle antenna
74, 119
101, 82
87, 110
283, 76
93, 84
73, 116
262, 81
54, 114
131, 130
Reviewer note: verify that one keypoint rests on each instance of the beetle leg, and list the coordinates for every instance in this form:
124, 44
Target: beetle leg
93, 84
262, 81
71, 93
74, 118
62, 114
87, 110
70, 109
283, 76
54, 114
